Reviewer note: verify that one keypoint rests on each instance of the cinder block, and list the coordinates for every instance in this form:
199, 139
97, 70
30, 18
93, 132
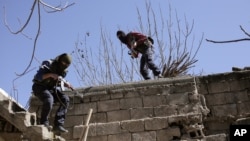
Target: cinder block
120, 137
133, 125
140, 113
131, 103
177, 99
220, 98
154, 100
166, 110
224, 110
108, 128
109, 105
144, 136
118, 115
156, 123
168, 134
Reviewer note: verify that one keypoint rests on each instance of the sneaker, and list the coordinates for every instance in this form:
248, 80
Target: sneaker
60, 129
158, 76
236, 69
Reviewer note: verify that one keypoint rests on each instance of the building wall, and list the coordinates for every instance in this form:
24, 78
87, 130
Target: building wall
180, 108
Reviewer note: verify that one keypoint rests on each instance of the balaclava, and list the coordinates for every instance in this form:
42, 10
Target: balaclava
57, 66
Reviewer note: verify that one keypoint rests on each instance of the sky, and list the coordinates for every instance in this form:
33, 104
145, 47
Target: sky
216, 19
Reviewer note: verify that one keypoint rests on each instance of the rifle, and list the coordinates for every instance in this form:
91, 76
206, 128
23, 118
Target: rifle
60, 79
63, 82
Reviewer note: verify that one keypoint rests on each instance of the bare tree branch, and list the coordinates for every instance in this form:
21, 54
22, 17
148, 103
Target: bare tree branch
26, 23
22, 28
244, 31
34, 44
57, 8
229, 41
235, 40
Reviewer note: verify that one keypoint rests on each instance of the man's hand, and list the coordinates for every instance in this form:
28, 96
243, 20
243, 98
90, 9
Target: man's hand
134, 45
68, 85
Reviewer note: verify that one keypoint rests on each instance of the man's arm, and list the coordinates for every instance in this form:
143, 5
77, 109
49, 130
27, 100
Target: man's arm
132, 44
137, 38
44, 72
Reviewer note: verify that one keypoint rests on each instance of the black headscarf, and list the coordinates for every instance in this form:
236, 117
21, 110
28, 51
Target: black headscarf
121, 36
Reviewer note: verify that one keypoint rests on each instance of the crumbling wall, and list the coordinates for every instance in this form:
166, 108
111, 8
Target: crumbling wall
180, 108
227, 97
149, 110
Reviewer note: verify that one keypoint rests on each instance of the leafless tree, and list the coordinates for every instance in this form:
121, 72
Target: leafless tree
175, 44
174, 48
110, 63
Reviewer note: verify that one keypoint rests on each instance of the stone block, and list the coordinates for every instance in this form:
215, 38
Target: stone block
241, 96
131, 103
109, 105
140, 113
216, 125
152, 90
216, 137
118, 115
81, 119
97, 118
120, 137
243, 108
167, 110
144, 136
177, 99
182, 87
108, 128
188, 109
153, 101
131, 92
116, 95
237, 85
78, 130
81, 109
219, 98
98, 138
168, 134
224, 110
74, 120
133, 125
156, 123
218, 87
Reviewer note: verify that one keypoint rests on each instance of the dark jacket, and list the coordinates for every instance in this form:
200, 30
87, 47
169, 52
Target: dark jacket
49, 66
142, 42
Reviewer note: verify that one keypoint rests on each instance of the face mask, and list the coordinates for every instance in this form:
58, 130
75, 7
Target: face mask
62, 66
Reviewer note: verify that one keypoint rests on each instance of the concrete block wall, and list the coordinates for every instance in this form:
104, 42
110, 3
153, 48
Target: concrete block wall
227, 97
181, 108
148, 104
134, 101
